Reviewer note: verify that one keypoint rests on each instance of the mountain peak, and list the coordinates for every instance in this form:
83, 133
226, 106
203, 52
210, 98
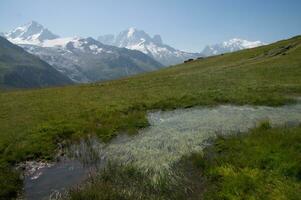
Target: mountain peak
30, 33
34, 23
131, 31
234, 44
135, 39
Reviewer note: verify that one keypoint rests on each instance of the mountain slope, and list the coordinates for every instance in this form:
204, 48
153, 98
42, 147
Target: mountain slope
267, 75
87, 60
230, 46
20, 69
152, 46
81, 59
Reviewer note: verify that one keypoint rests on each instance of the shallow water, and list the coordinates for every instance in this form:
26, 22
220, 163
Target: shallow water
171, 135
50, 181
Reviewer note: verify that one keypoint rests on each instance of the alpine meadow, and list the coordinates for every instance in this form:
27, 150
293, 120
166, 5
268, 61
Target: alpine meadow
127, 116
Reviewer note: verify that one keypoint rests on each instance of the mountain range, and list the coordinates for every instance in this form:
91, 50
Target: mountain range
135, 39
81, 59
130, 52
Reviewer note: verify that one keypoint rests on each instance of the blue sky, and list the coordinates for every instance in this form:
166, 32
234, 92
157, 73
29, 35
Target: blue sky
184, 24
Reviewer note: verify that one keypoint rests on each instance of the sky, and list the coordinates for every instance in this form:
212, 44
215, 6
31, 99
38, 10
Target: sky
184, 24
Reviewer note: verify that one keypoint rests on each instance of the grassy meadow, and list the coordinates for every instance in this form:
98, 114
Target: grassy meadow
34, 122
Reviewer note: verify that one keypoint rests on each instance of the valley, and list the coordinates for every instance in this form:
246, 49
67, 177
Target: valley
35, 124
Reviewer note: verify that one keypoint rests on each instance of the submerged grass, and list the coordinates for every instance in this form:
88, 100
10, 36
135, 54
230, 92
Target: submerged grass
34, 122
127, 182
263, 164
173, 134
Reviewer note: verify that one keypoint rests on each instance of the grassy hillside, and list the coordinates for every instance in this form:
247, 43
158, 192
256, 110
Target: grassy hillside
19, 69
32, 123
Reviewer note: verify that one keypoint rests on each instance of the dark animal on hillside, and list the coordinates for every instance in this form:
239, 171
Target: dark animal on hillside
189, 60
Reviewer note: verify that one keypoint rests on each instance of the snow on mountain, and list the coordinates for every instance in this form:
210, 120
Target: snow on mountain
30, 33
130, 52
76, 42
232, 45
88, 60
59, 42
153, 46
81, 59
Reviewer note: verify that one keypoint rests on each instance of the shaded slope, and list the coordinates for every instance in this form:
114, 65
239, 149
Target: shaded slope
19, 69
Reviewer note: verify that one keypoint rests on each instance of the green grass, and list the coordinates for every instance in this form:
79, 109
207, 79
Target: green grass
262, 164
33, 122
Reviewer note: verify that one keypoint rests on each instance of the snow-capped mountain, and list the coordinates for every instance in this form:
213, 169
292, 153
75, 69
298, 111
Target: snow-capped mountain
153, 46
81, 59
232, 45
30, 33
88, 60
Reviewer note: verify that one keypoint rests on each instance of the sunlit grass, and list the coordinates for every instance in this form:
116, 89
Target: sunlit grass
264, 164
33, 122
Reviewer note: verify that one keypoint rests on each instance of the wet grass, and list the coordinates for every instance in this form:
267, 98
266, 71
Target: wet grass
263, 164
34, 122
127, 182
173, 134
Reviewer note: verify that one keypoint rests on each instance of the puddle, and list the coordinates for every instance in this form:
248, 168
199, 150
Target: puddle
171, 135
50, 181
